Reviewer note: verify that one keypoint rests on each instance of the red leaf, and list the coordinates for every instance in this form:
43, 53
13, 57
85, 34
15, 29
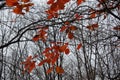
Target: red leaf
73, 28
117, 28
61, 6
93, 27
62, 48
36, 38
29, 58
59, 70
93, 15
63, 1
25, 1
63, 28
59, 42
46, 50
50, 16
49, 55
79, 2
49, 70
67, 51
28, 64
18, 9
54, 7
31, 66
11, 3
42, 32
55, 15
27, 9
50, 2
28, 4
70, 35
79, 46
67, 23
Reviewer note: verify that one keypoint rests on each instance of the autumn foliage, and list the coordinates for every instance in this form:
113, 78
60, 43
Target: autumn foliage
52, 53
20, 6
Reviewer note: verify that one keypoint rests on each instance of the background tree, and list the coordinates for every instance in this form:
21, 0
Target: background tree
81, 37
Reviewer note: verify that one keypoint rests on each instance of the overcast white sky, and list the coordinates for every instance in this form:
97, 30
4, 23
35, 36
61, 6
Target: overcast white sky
40, 1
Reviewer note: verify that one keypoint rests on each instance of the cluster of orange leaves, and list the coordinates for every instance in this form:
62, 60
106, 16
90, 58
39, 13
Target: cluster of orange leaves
29, 64
69, 30
56, 5
52, 55
42, 34
93, 27
20, 6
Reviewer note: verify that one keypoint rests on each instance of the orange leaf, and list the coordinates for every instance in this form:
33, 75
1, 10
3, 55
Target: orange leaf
29, 4
117, 28
54, 7
59, 70
62, 48
73, 28
36, 38
93, 27
67, 23
79, 2
49, 12
59, 42
46, 50
67, 51
55, 15
27, 9
61, 6
29, 58
18, 10
25, 1
93, 15
31, 67
63, 28
63, 1
79, 46
50, 2
49, 70
42, 32
48, 61
50, 16
70, 35
11, 3
28, 64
